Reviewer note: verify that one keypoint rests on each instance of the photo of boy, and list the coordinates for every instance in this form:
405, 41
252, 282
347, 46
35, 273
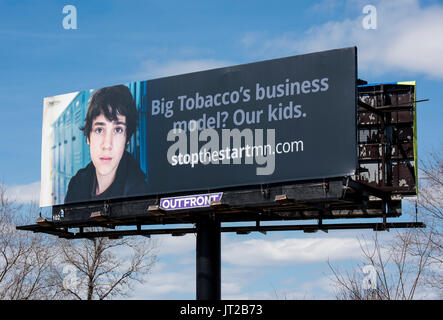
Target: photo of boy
110, 122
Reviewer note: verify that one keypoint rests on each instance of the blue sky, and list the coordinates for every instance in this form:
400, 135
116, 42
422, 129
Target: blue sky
121, 41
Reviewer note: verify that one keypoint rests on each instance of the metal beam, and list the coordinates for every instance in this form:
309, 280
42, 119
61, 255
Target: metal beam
238, 229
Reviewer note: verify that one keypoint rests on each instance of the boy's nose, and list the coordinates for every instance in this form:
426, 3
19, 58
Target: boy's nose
107, 142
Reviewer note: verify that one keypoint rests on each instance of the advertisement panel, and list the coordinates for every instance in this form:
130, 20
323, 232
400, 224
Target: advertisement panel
274, 121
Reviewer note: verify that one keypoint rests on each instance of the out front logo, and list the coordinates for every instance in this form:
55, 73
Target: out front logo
188, 202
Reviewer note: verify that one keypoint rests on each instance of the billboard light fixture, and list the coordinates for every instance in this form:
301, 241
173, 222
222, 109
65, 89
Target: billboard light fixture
98, 216
310, 230
283, 199
217, 204
43, 222
115, 237
155, 210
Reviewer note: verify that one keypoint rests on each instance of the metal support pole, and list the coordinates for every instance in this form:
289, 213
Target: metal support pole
208, 266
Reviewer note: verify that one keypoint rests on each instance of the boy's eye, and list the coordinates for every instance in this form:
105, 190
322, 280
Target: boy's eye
98, 130
119, 130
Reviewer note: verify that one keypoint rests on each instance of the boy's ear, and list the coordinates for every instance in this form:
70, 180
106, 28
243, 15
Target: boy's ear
87, 141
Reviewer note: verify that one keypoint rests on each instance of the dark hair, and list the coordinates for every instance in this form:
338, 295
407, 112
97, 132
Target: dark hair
110, 101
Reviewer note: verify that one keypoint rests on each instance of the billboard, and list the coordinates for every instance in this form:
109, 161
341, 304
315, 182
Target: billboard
280, 120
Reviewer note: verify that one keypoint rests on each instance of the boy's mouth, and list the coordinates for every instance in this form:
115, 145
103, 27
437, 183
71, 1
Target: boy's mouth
105, 159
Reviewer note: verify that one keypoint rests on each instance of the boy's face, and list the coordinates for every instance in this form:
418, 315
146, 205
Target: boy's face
107, 142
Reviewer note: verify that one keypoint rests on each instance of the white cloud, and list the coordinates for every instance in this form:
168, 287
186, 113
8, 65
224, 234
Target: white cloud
167, 285
24, 193
323, 285
407, 38
151, 69
170, 279
173, 275
231, 287
184, 245
257, 252
236, 280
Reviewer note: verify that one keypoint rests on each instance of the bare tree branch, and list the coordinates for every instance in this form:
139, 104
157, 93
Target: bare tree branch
107, 267
413, 259
25, 258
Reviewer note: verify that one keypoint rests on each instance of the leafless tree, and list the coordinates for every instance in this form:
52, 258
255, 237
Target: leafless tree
430, 203
398, 264
430, 198
26, 259
413, 258
101, 268
39, 266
